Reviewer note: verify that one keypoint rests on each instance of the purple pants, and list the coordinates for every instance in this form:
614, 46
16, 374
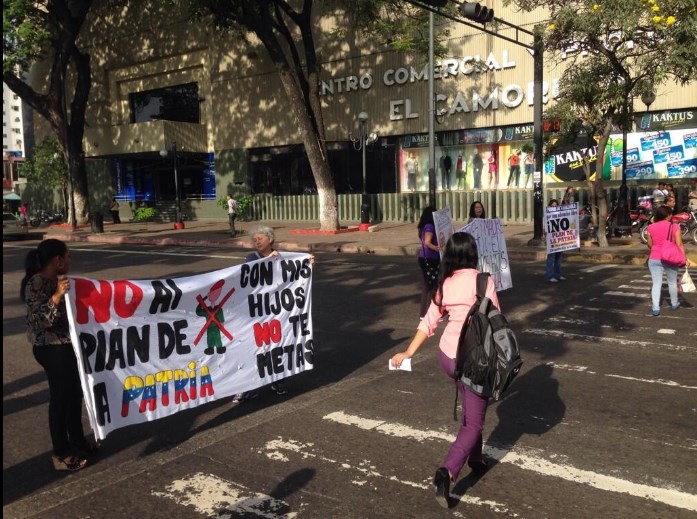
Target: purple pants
468, 444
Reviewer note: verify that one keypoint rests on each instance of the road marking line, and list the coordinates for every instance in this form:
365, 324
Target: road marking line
666, 331
626, 294
584, 369
531, 462
596, 268
615, 340
367, 469
214, 496
622, 312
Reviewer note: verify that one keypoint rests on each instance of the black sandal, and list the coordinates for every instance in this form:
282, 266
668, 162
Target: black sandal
71, 463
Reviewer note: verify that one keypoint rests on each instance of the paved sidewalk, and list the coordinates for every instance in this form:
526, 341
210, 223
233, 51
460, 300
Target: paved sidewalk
389, 239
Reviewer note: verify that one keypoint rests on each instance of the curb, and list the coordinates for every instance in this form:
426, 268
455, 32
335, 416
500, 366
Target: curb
516, 252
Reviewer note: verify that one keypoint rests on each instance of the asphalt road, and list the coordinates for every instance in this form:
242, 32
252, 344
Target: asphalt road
602, 420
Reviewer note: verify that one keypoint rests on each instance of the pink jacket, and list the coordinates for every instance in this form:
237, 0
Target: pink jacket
659, 235
459, 294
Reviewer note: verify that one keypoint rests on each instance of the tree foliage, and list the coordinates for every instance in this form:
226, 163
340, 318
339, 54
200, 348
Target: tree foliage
47, 168
47, 32
610, 53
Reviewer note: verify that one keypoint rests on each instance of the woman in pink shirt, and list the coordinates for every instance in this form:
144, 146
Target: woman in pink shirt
658, 233
455, 294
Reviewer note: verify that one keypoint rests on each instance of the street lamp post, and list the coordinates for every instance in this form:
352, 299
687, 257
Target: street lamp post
365, 204
178, 223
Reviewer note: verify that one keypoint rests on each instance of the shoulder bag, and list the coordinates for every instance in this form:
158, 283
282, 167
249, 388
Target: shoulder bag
671, 254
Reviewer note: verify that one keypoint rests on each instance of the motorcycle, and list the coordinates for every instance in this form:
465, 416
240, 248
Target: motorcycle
638, 218
686, 219
42, 216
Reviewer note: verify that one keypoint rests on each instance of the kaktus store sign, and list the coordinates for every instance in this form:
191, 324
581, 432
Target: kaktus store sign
509, 96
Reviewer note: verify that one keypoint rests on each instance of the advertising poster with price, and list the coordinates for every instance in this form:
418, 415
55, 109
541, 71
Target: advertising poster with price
658, 154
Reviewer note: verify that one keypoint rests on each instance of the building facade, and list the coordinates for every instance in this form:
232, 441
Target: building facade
171, 95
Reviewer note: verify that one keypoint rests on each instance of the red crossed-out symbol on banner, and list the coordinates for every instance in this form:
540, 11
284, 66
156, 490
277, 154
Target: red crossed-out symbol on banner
212, 318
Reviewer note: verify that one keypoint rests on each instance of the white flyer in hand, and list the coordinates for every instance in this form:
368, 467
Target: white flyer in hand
404, 366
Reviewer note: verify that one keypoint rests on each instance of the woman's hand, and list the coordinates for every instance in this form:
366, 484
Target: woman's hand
398, 358
62, 288
312, 260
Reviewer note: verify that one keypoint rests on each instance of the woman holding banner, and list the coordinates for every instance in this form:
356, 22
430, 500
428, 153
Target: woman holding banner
455, 293
476, 211
553, 270
263, 238
43, 290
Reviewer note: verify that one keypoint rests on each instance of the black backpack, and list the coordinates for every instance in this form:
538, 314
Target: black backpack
488, 358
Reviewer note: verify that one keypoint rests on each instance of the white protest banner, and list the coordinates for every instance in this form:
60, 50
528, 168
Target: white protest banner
562, 228
147, 349
443, 222
491, 246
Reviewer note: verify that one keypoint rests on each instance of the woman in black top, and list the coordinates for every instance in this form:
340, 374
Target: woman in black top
43, 290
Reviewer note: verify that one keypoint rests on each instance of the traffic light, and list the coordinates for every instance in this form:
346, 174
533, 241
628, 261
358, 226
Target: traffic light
476, 12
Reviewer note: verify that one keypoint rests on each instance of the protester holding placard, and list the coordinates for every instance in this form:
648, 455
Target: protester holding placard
43, 290
476, 211
429, 257
554, 259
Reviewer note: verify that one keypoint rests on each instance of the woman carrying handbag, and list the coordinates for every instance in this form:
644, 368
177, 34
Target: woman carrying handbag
663, 236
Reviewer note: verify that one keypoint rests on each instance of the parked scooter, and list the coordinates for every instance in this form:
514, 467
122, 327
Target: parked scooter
42, 216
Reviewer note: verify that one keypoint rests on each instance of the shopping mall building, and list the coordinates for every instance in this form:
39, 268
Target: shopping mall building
161, 81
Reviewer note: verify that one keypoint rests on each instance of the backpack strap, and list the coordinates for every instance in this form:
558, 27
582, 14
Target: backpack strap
482, 282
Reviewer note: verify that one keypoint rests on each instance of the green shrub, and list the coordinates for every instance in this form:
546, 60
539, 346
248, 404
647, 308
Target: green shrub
244, 202
145, 214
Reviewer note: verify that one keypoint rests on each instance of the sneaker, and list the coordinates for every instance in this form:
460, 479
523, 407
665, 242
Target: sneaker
655, 313
562, 278
674, 307
553, 280
239, 397
279, 388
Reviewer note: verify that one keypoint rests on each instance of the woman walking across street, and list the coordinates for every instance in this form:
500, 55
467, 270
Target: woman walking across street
659, 232
428, 258
455, 293
43, 290
554, 259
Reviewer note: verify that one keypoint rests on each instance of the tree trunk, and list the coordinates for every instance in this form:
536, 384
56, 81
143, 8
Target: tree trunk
328, 210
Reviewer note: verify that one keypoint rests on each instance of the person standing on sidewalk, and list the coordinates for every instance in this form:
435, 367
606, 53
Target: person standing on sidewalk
553, 265
114, 210
658, 233
43, 290
231, 213
455, 294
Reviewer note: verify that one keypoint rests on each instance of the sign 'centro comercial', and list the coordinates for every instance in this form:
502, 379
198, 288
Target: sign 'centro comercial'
509, 96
